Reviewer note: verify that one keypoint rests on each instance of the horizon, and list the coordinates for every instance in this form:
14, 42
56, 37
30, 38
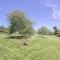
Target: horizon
44, 13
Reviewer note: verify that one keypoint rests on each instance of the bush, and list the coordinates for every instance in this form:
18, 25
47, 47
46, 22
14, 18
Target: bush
58, 34
43, 30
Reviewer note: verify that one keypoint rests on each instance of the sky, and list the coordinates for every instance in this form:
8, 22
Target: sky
42, 12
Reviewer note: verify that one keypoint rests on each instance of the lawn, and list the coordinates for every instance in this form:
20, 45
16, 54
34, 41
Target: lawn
39, 48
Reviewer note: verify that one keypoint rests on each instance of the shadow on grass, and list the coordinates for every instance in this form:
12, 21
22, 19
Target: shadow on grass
15, 37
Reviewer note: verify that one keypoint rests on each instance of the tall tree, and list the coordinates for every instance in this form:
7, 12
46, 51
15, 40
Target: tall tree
20, 22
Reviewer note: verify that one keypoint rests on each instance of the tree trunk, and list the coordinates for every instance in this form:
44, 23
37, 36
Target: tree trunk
25, 40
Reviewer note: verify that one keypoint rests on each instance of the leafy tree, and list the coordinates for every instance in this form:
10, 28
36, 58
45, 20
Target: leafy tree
20, 22
2, 29
43, 30
55, 30
51, 33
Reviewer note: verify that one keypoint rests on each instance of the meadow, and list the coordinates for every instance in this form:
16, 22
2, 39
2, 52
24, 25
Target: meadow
39, 48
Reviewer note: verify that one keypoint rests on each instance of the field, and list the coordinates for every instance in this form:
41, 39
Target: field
39, 48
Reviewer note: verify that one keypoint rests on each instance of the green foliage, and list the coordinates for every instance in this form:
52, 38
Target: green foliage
58, 33
3, 29
43, 30
55, 30
20, 22
51, 33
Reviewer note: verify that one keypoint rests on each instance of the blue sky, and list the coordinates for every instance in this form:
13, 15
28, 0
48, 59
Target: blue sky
43, 12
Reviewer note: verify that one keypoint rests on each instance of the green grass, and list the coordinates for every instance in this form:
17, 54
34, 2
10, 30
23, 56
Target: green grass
39, 48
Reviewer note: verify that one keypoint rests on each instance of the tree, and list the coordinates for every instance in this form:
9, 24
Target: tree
2, 29
43, 30
20, 22
55, 30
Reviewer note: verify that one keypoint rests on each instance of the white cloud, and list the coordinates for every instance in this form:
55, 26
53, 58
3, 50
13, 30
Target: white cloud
56, 13
54, 7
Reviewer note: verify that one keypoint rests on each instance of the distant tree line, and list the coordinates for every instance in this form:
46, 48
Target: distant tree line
45, 31
41, 31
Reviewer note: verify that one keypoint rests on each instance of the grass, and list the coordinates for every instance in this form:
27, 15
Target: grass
39, 48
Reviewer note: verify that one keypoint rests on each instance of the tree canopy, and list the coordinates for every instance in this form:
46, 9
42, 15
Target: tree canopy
20, 22
43, 30
55, 30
